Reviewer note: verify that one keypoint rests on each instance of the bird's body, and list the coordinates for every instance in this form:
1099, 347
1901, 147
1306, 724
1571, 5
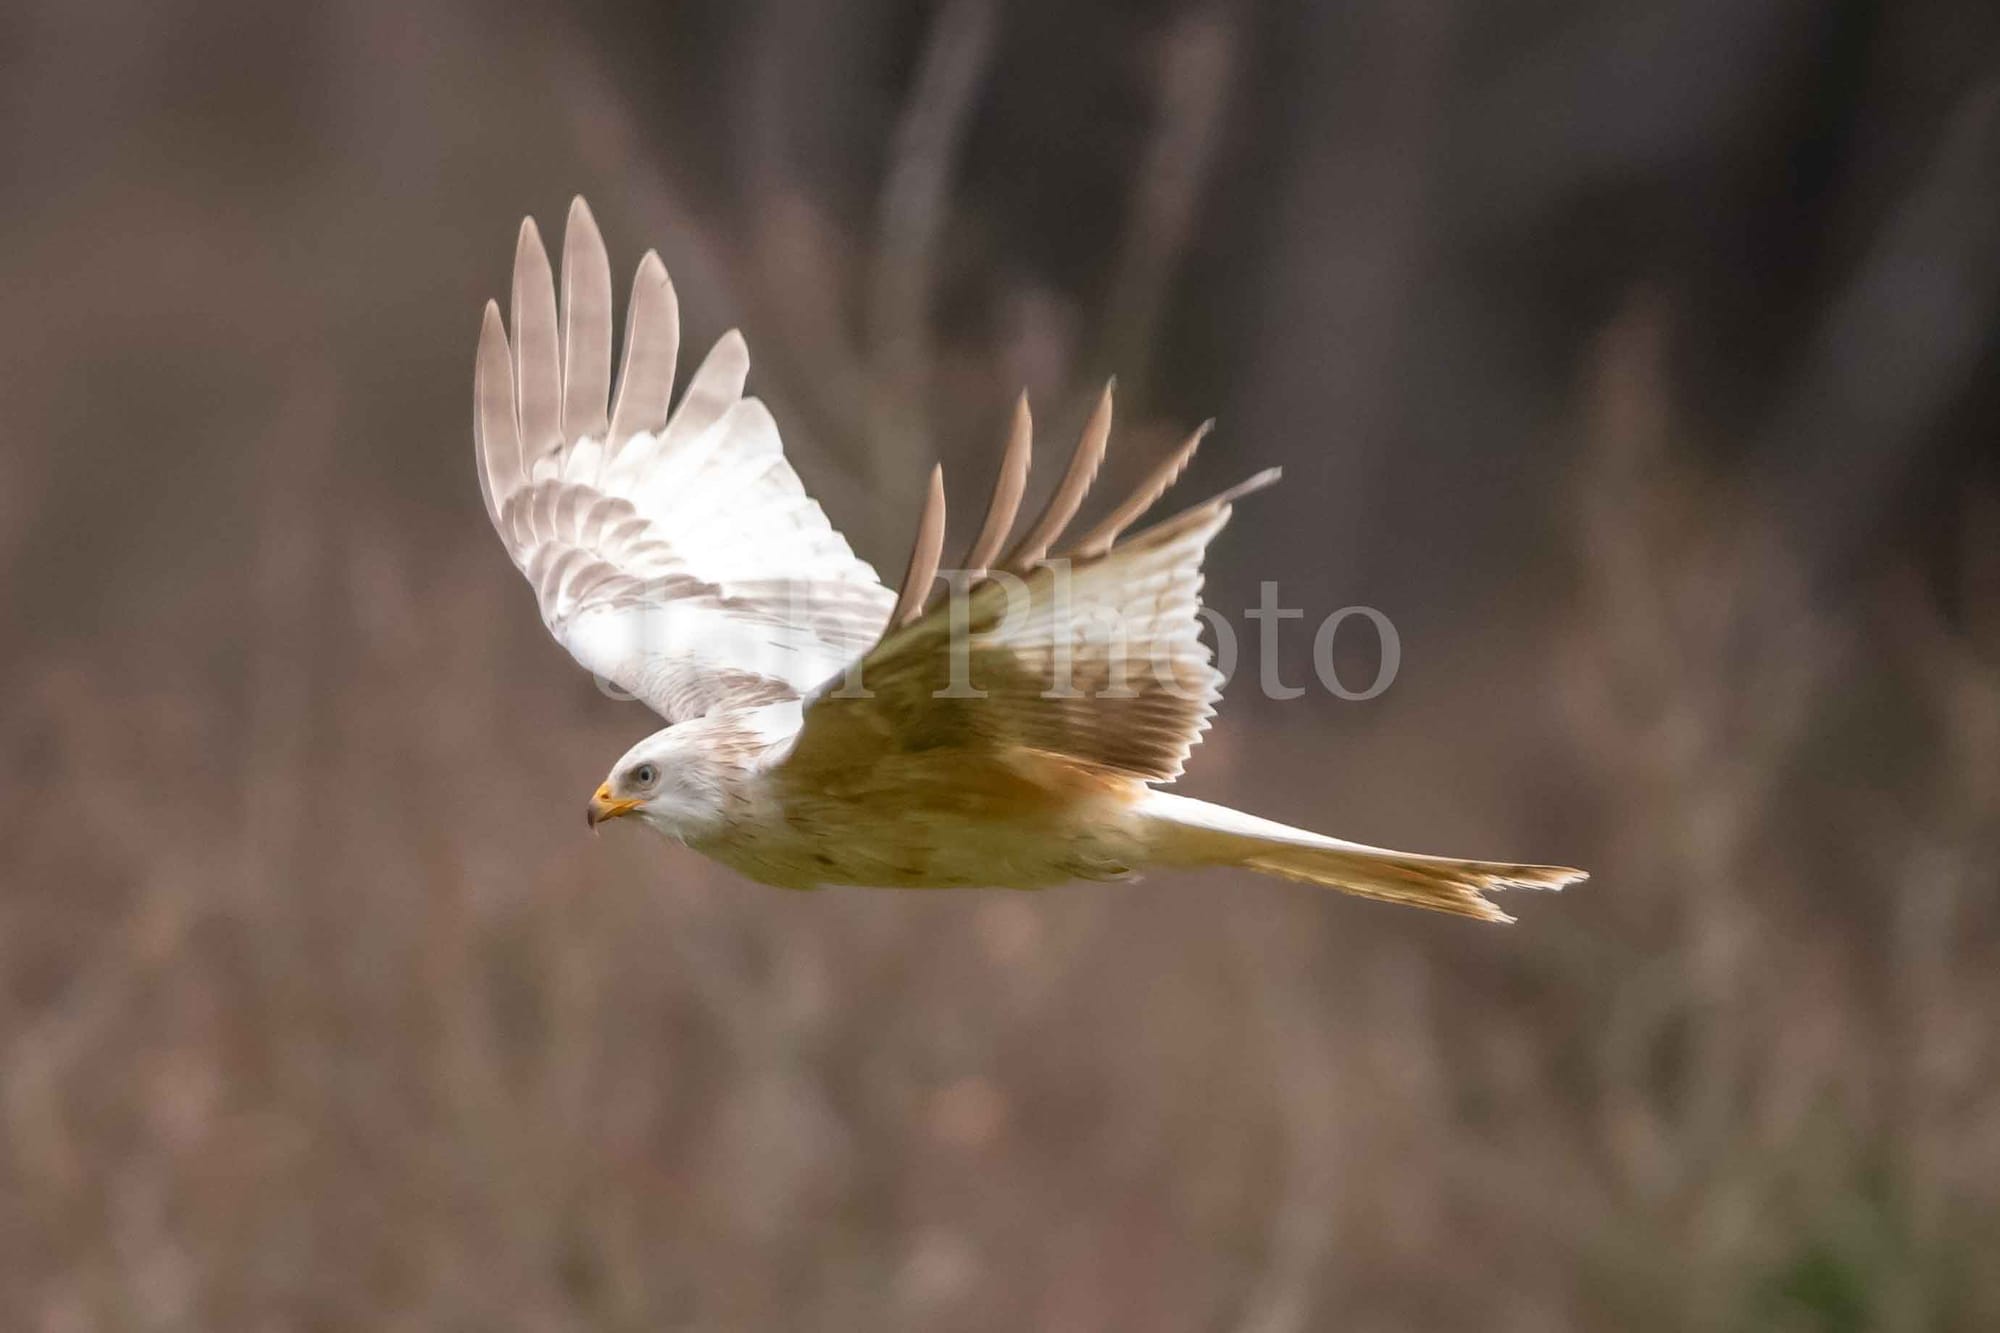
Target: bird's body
914, 825
823, 729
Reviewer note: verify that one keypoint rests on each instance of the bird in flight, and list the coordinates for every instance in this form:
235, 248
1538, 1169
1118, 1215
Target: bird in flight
822, 728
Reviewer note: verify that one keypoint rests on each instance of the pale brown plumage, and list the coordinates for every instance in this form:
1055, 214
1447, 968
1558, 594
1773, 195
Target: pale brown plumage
824, 729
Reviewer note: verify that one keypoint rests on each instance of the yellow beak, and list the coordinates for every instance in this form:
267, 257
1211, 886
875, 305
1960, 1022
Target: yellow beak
603, 806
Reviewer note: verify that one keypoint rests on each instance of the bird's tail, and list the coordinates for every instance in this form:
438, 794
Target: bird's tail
1191, 832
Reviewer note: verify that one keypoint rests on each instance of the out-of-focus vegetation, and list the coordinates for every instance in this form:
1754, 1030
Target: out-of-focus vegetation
1638, 360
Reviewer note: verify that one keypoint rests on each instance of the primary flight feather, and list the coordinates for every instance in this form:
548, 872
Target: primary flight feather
823, 728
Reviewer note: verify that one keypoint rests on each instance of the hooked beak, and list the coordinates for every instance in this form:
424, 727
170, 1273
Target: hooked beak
603, 806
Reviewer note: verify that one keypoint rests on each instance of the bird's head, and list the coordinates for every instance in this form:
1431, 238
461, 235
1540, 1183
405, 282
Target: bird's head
669, 780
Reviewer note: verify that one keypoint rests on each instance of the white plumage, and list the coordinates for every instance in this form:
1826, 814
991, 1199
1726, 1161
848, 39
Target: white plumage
822, 728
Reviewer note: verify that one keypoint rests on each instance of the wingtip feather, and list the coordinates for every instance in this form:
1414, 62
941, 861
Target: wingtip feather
537, 345
1068, 498
586, 325
925, 552
1008, 488
494, 426
1269, 477
1155, 484
652, 346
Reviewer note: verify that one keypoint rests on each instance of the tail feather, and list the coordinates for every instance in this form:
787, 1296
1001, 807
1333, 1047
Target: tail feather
1196, 832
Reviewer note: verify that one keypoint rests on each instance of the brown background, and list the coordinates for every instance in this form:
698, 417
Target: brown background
1637, 359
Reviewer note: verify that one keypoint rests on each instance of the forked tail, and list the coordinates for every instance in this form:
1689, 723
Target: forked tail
1191, 832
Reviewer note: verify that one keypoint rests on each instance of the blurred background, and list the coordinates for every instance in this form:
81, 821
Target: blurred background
1636, 359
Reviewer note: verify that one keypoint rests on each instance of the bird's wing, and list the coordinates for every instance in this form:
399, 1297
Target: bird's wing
674, 554
1093, 659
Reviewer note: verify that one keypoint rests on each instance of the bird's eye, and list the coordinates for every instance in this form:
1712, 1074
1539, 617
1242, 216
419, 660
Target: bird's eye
644, 775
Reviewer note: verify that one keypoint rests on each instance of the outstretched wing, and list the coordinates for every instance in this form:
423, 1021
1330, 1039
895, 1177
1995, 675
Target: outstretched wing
674, 555
1093, 659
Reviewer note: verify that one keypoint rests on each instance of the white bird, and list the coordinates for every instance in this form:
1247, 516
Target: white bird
821, 728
